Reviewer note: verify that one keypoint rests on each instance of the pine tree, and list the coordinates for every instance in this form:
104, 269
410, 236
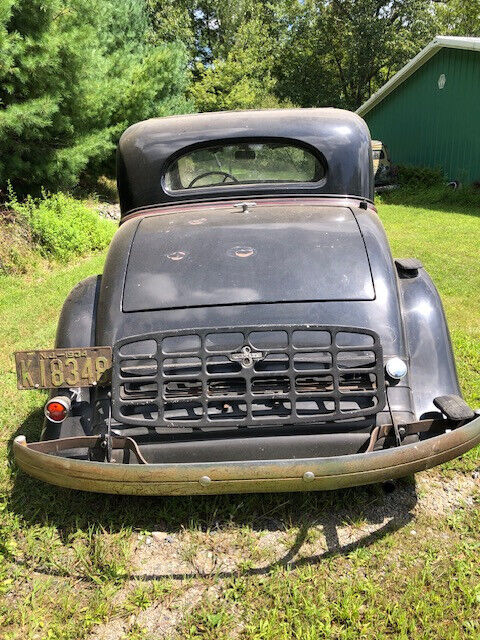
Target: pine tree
73, 75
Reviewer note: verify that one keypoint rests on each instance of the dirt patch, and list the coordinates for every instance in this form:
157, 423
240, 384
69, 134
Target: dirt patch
199, 561
109, 211
229, 550
156, 621
192, 554
439, 494
160, 621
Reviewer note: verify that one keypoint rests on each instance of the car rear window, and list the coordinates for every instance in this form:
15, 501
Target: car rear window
243, 163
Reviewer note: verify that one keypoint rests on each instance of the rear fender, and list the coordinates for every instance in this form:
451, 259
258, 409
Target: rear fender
76, 328
432, 364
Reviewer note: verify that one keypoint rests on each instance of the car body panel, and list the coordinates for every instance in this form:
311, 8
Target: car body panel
226, 257
382, 165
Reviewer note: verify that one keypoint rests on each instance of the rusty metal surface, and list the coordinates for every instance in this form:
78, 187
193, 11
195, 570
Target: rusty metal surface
60, 368
326, 356
243, 477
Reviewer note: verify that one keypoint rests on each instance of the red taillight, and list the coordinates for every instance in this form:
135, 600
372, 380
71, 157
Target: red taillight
57, 409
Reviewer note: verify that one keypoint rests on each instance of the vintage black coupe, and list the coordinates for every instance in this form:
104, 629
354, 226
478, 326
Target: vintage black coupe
251, 331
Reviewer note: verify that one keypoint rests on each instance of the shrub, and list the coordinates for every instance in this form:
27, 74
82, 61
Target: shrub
62, 226
426, 187
406, 175
439, 196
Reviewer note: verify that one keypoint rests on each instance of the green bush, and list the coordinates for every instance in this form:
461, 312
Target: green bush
62, 226
406, 175
439, 196
426, 187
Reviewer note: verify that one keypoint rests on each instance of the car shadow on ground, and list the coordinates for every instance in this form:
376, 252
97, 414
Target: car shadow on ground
349, 519
382, 518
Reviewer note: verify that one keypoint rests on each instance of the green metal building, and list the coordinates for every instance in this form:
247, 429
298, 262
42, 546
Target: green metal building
428, 114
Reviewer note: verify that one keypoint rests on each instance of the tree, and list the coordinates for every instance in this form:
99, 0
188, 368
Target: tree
209, 28
306, 52
243, 80
73, 75
459, 17
305, 69
346, 49
232, 48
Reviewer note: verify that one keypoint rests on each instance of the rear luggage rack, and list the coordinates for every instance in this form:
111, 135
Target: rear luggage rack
244, 376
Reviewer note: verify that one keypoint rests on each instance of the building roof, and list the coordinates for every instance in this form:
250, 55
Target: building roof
453, 42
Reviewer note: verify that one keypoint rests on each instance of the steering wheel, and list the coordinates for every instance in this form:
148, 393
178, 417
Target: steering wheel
213, 173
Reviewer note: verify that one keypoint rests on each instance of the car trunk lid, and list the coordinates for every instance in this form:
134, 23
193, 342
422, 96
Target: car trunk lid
224, 256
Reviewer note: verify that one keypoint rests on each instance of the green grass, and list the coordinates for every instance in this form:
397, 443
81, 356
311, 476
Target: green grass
349, 564
448, 243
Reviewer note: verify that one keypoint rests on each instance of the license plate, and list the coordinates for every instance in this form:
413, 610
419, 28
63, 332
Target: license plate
57, 368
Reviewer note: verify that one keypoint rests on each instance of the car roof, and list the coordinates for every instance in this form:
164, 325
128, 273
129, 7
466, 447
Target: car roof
340, 138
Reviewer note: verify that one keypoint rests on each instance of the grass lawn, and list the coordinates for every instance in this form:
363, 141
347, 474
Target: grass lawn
357, 563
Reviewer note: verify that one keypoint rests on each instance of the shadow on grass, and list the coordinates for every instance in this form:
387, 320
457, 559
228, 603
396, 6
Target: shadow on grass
379, 511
